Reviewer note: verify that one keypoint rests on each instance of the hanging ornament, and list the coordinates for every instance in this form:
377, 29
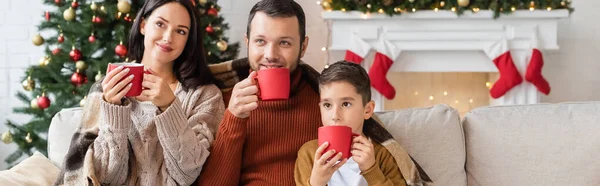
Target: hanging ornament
388, 2
61, 38
121, 50
124, 6
57, 2
202, 2
92, 39
81, 65
209, 29
97, 19
99, 76
43, 101
82, 102
442, 3
56, 51
78, 78
28, 138
7, 137
74, 4
75, 54
563, 3
44, 61
37, 40
93, 6
222, 44
33, 104
212, 12
102, 9
69, 14
127, 18
217, 28
463, 3
28, 84
411, 1
326, 5
47, 15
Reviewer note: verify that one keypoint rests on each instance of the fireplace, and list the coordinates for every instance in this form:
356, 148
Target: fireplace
443, 44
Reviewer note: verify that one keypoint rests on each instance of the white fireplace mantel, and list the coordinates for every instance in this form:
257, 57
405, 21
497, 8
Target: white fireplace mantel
441, 41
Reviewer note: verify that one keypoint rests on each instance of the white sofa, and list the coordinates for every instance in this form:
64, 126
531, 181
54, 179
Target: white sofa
545, 144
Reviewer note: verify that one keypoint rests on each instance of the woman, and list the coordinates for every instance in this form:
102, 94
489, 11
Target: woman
161, 137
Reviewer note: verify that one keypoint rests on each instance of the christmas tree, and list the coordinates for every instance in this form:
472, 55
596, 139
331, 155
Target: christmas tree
88, 35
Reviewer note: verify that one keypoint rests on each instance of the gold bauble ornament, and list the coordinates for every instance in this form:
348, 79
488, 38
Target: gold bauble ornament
326, 5
99, 76
28, 84
33, 104
37, 40
28, 138
69, 14
411, 1
124, 6
81, 66
44, 61
202, 2
7, 137
94, 6
102, 9
82, 102
463, 3
222, 44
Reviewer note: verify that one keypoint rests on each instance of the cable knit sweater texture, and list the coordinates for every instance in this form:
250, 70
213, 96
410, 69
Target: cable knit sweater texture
139, 145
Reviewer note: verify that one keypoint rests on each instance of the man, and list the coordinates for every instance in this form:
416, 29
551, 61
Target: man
257, 141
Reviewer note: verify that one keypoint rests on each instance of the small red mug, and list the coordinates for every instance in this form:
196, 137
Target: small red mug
339, 138
135, 69
274, 83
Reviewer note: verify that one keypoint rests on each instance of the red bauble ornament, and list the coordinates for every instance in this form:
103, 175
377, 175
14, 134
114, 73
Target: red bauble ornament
209, 29
127, 18
92, 39
97, 19
43, 101
78, 79
212, 12
61, 38
57, 2
74, 4
47, 15
56, 51
75, 54
121, 50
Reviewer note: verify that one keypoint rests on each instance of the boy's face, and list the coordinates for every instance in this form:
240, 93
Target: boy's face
342, 105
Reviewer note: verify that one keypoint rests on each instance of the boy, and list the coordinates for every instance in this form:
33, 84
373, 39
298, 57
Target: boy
345, 99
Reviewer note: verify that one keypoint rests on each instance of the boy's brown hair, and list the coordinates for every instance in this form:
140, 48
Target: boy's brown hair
344, 71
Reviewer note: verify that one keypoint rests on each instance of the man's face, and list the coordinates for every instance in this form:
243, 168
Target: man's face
274, 42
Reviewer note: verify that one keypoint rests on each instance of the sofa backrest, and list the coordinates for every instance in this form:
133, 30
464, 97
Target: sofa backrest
434, 138
546, 144
63, 126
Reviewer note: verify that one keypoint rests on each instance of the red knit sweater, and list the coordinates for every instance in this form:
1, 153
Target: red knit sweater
262, 149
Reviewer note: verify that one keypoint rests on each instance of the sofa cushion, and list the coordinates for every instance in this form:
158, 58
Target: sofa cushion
434, 138
35, 170
545, 144
63, 126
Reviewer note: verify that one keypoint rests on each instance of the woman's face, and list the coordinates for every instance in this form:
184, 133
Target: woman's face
165, 32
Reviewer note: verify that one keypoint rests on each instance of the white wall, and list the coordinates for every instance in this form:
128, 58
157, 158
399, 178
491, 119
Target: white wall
570, 70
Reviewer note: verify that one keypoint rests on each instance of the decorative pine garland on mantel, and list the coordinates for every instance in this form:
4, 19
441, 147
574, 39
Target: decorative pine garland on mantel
397, 7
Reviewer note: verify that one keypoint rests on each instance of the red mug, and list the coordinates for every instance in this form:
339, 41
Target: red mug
274, 83
339, 138
135, 69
